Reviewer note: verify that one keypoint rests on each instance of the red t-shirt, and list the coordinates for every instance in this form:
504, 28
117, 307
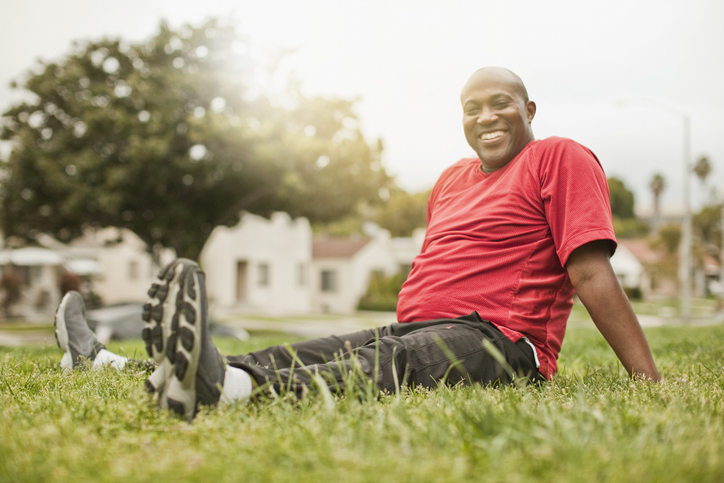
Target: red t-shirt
498, 243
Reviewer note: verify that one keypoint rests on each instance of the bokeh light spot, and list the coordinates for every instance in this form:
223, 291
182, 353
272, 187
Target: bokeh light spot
197, 152
111, 65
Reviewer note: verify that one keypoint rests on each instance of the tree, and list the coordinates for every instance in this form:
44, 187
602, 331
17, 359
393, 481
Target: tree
702, 169
630, 227
625, 223
670, 237
622, 199
173, 137
403, 212
330, 170
657, 186
707, 232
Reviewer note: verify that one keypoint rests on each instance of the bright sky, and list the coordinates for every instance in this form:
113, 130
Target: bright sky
408, 59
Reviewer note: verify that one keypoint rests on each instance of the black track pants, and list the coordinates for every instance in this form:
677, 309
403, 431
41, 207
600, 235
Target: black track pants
413, 354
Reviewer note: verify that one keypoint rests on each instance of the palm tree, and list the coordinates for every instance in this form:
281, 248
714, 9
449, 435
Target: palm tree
702, 169
657, 185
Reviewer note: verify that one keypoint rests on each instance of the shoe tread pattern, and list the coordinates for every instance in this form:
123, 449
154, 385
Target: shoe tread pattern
160, 334
160, 345
183, 399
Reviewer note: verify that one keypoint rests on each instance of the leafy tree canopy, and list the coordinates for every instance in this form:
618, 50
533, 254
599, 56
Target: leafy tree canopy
702, 168
403, 213
622, 199
657, 184
707, 230
173, 137
670, 237
630, 227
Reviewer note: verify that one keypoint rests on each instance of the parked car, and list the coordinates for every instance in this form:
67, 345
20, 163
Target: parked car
123, 321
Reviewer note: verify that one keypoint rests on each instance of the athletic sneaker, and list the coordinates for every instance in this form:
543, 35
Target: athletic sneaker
197, 367
72, 332
158, 313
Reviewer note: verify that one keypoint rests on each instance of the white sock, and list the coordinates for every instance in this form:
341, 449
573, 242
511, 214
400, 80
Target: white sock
67, 361
237, 385
108, 357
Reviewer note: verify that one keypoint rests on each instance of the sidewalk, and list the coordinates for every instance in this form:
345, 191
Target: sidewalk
312, 325
15, 337
309, 325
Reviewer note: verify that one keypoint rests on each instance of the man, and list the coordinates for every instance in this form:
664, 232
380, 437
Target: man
512, 234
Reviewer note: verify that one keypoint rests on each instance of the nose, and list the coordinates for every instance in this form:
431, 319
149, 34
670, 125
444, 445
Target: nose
487, 116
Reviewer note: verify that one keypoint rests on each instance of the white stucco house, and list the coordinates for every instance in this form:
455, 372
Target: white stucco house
628, 269
39, 270
116, 262
260, 265
341, 269
276, 266
112, 262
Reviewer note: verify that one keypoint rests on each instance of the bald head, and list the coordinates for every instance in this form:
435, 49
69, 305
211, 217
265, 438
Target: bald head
497, 116
488, 74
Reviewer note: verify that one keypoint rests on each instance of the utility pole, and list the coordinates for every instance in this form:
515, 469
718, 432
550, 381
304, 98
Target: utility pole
686, 231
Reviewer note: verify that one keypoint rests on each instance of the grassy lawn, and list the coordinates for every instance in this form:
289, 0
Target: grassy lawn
590, 424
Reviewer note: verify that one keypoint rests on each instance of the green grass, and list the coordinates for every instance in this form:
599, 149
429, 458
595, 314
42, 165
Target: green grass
666, 309
590, 423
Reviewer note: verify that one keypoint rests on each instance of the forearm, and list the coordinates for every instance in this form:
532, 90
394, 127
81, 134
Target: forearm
598, 288
612, 313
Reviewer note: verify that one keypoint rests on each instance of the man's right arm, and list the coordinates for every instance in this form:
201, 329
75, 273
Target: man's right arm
598, 288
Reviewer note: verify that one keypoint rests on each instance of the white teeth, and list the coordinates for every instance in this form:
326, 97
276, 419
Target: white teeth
491, 135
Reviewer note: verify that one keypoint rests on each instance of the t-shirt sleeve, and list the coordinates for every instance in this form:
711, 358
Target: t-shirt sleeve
575, 196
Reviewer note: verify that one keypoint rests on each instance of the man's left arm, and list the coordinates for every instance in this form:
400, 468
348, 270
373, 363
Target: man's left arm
598, 288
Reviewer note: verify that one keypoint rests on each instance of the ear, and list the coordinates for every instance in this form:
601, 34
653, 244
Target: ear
530, 110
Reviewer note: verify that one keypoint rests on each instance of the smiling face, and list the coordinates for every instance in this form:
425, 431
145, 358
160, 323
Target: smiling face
497, 116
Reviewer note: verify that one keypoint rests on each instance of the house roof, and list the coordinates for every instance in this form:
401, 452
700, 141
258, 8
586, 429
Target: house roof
641, 250
711, 266
337, 247
105, 237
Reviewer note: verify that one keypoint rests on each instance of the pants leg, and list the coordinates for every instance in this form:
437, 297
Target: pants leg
309, 352
414, 354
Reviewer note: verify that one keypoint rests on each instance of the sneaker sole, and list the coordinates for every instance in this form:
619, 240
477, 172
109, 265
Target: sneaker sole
159, 332
181, 394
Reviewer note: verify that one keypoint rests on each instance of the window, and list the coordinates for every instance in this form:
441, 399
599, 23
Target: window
301, 274
329, 281
264, 275
241, 270
133, 270
23, 272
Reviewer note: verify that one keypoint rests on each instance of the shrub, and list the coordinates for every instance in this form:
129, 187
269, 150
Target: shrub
381, 293
633, 293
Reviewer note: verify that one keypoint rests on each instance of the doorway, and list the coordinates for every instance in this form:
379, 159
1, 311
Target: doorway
241, 280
